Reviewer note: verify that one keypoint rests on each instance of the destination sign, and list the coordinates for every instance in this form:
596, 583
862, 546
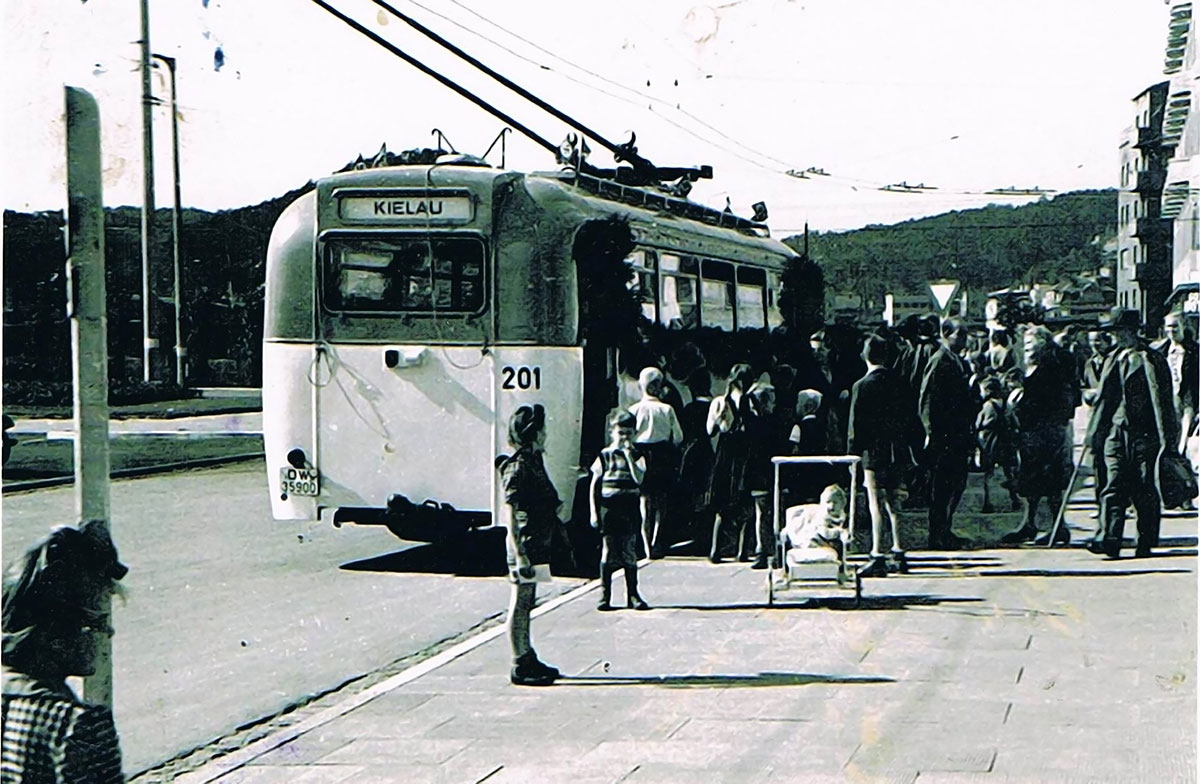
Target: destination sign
406, 209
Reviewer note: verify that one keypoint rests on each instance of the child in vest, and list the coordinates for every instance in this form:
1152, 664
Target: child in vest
617, 475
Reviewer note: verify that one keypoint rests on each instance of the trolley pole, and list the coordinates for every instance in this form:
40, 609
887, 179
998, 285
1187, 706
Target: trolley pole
176, 217
149, 341
89, 340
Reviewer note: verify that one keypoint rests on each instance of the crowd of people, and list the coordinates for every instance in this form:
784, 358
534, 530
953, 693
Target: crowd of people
922, 404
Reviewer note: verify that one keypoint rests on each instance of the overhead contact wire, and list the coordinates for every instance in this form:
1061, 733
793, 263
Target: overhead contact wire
504, 80
464, 92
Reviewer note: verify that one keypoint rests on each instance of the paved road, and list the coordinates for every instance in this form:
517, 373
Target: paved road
231, 616
995, 666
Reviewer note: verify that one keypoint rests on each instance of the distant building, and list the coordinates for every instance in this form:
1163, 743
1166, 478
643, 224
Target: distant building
1144, 236
1181, 129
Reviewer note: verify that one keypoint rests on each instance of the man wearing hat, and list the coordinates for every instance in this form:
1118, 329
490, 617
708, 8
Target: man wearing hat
1134, 419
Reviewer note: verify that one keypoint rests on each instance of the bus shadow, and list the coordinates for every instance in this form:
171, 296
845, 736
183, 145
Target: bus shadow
479, 553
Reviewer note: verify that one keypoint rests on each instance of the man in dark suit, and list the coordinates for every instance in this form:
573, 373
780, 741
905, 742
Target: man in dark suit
947, 411
1183, 360
1134, 417
882, 428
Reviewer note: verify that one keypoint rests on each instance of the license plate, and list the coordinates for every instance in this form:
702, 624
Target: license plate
299, 481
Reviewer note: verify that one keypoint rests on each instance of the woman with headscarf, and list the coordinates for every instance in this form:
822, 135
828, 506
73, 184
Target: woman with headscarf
1043, 411
55, 607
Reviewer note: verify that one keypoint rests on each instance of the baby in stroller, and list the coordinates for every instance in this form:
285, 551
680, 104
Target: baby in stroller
813, 533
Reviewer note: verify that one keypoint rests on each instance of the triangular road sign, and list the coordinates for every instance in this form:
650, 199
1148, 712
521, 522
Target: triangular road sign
943, 292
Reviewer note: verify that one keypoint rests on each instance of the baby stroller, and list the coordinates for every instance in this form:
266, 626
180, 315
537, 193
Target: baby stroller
800, 564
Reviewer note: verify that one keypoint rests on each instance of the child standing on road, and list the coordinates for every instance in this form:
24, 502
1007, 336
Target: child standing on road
993, 427
617, 475
530, 514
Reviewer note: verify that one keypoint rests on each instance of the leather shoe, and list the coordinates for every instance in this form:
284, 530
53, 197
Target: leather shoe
876, 567
760, 563
1063, 537
1099, 547
1021, 535
900, 560
1143, 552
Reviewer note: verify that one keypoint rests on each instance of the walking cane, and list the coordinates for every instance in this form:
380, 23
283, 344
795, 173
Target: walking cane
1062, 507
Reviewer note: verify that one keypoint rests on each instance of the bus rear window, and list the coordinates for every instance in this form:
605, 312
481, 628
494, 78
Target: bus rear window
405, 275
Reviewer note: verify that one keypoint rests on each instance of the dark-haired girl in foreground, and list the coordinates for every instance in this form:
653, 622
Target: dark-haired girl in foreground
530, 514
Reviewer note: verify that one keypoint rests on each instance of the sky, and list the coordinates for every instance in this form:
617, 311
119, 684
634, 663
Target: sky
962, 96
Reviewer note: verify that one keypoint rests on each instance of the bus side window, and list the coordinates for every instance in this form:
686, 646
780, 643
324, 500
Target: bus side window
644, 282
774, 286
678, 305
751, 298
717, 295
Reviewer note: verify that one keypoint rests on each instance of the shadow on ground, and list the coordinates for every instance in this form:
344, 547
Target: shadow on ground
762, 679
884, 602
478, 553
1080, 572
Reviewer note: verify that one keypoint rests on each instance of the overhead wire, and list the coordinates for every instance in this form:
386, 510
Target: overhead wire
444, 80
941, 191
623, 99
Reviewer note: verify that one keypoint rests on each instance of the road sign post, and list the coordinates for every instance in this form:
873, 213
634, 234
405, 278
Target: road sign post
89, 340
943, 292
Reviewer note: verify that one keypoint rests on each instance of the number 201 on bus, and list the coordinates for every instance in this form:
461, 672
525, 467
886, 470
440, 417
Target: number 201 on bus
521, 377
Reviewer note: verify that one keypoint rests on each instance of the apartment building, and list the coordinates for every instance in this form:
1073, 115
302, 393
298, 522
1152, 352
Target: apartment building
1144, 235
1181, 130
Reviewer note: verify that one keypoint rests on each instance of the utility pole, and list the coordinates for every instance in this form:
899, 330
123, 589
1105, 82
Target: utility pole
89, 341
149, 341
176, 210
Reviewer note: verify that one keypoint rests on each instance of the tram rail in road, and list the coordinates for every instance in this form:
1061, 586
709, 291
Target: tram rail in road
25, 485
43, 454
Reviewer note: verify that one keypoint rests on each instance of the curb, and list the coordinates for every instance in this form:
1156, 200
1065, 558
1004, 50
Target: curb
222, 766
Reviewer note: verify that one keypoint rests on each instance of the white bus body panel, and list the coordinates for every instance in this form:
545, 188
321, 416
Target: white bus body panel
428, 428
288, 420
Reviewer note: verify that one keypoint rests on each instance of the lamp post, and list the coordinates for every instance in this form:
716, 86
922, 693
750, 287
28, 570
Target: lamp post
149, 341
180, 351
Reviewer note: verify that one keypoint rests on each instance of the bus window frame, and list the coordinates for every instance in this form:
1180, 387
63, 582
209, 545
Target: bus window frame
330, 237
720, 266
756, 277
648, 266
774, 287
686, 267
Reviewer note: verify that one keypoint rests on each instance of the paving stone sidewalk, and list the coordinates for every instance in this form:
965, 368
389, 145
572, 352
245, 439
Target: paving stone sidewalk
1002, 665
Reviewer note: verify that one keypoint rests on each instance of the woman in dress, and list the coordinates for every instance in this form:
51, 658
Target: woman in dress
728, 494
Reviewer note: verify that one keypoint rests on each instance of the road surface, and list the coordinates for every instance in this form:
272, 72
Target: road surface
231, 616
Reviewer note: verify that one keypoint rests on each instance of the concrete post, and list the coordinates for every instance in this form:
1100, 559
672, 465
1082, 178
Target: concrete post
89, 338
150, 353
176, 215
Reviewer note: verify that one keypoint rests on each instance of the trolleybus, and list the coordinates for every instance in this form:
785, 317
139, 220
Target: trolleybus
411, 309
